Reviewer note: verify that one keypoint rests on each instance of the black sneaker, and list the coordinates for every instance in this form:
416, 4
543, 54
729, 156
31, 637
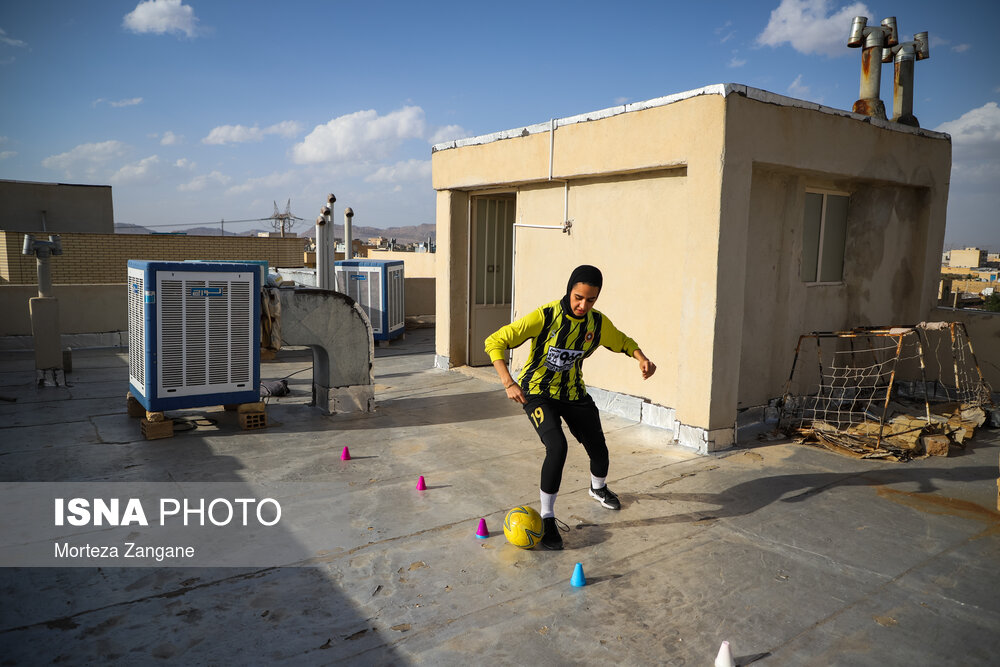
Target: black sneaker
606, 497
551, 539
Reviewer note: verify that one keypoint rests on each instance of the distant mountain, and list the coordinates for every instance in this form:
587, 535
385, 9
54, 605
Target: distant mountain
410, 234
126, 228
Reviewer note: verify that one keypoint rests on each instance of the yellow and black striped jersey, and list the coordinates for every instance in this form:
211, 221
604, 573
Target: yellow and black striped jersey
559, 344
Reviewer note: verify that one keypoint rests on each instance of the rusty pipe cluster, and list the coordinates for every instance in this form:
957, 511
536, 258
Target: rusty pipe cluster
880, 44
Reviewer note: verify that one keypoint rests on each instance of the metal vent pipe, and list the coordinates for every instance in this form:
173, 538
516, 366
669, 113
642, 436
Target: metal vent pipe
348, 241
904, 55
872, 40
325, 246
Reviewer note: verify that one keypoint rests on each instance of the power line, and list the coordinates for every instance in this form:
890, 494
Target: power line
203, 224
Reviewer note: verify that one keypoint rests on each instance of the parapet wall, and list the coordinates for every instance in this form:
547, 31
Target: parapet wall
103, 258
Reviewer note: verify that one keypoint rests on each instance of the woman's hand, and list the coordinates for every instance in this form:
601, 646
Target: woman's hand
515, 394
646, 366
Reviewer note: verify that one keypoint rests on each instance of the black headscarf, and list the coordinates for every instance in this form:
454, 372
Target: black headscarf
586, 274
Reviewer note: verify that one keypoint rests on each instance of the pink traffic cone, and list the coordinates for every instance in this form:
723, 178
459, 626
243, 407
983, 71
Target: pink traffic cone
482, 532
345, 455
725, 657
421, 485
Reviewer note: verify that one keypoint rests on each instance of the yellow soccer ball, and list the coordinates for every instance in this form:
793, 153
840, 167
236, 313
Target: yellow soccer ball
523, 527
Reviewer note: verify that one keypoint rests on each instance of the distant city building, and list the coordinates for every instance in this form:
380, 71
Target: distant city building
967, 257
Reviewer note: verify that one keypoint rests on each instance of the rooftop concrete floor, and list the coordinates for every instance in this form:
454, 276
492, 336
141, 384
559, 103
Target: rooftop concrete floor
794, 555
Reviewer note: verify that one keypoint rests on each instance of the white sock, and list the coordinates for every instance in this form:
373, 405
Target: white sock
548, 503
598, 482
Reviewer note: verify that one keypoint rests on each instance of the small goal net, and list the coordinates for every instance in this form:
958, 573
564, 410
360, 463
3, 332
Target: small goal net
894, 392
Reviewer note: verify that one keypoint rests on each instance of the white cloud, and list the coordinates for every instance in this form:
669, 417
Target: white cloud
7, 154
737, 62
120, 103
86, 159
137, 172
131, 102
170, 139
362, 135
160, 17
184, 163
286, 128
726, 33
976, 133
809, 28
199, 183
451, 132
9, 41
797, 88
410, 170
961, 48
239, 134
273, 180
233, 134
975, 137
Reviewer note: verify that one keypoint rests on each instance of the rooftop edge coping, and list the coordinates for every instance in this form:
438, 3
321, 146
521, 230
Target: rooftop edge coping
723, 89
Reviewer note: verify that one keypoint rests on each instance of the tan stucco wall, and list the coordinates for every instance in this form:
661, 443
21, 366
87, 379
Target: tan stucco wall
661, 203
68, 208
419, 271
693, 210
82, 308
451, 284
898, 184
417, 264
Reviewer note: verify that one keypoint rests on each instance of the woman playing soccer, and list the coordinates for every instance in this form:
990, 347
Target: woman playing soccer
563, 333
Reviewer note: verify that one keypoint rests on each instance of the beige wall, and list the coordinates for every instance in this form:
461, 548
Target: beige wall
417, 264
82, 308
419, 271
898, 182
68, 208
103, 258
661, 204
693, 211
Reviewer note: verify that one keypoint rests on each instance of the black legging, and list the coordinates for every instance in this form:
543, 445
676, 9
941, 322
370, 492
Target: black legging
584, 422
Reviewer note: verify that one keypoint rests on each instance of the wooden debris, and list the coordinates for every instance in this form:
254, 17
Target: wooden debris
936, 445
903, 437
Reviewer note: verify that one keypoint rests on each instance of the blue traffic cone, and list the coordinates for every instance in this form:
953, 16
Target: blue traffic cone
578, 578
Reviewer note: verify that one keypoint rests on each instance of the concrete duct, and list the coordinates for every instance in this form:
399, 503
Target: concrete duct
339, 334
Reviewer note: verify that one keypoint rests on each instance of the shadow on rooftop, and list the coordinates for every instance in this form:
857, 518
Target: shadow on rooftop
754, 494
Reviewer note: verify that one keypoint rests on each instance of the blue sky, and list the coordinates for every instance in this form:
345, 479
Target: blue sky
197, 110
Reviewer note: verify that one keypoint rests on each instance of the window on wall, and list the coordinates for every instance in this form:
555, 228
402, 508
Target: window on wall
824, 235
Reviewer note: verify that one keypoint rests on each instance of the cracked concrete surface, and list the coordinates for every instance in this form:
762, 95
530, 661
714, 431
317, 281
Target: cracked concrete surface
795, 555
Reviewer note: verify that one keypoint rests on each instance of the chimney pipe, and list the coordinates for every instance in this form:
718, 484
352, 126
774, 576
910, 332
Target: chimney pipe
348, 241
906, 54
324, 245
872, 40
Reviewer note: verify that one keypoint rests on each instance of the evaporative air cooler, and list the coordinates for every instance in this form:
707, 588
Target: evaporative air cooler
377, 286
194, 333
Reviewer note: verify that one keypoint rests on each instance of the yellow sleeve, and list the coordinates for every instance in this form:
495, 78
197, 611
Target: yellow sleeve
615, 340
514, 334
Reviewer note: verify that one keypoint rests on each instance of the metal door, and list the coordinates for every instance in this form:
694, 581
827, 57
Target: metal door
492, 262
